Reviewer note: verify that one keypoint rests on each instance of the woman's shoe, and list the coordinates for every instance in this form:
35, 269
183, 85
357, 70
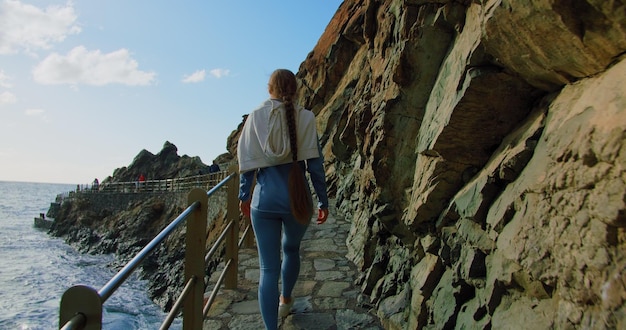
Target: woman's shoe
285, 309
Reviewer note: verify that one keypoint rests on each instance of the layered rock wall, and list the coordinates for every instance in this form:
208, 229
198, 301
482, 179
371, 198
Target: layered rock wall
479, 149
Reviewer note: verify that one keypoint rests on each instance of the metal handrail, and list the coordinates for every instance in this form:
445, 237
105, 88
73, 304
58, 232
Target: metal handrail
228, 265
218, 242
117, 280
244, 236
178, 304
218, 284
176, 308
220, 184
77, 322
231, 262
90, 315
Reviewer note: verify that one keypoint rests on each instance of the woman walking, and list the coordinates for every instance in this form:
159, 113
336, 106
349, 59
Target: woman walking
279, 144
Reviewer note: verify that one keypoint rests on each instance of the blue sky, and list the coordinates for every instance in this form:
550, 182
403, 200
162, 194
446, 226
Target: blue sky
86, 85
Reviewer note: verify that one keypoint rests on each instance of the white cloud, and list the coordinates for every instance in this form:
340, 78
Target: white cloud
81, 66
26, 27
40, 114
219, 73
195, 77
4, 80
7, 98
34, 112
8, 153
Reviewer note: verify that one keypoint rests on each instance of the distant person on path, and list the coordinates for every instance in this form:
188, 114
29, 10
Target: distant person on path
142, 180
95, 184
278, 143
214, 168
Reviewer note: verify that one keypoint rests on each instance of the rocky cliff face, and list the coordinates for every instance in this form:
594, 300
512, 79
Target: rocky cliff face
479, 149
166, 164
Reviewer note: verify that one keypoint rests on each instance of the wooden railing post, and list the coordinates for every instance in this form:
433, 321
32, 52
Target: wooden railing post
194, 260
232, 239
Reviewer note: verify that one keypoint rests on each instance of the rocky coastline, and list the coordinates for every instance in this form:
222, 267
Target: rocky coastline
123, 223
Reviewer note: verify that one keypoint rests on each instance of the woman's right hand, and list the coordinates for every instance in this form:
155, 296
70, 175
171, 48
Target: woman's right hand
322, 215
244, 207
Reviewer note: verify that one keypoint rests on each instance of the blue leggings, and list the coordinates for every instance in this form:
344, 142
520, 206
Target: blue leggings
268, 229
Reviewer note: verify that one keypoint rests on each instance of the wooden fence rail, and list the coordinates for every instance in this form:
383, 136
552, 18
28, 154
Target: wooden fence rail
204, 181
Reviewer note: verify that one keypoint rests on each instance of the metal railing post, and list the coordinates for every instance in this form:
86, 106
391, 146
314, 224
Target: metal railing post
232, 240
194, 260
81, 308
248, 241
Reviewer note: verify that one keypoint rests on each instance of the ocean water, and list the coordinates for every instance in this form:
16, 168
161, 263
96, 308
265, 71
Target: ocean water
36, 268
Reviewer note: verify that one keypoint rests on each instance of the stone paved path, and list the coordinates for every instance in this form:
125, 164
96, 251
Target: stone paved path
326, 297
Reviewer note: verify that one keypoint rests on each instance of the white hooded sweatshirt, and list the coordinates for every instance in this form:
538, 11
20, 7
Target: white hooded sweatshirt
264, 139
